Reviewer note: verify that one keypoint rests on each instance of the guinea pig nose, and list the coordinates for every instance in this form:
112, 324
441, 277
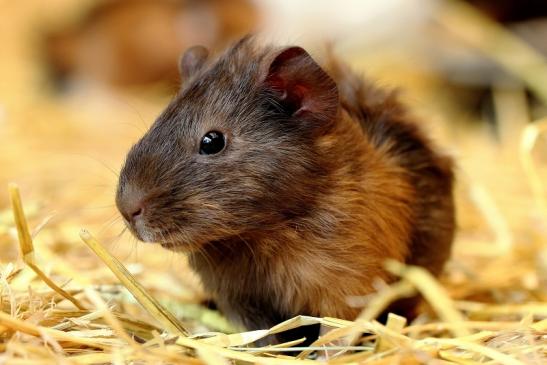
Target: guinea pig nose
137, 211
132, 210
131, 206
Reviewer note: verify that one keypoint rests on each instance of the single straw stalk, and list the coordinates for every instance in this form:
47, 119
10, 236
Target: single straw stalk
151, 305
27, 246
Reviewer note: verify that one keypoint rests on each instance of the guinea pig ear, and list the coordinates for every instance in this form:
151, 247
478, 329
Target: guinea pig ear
192, 60
301, 86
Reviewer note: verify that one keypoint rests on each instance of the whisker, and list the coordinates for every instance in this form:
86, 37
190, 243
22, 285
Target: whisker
136, 111
114, 218
109, 206
102, 163
115, 240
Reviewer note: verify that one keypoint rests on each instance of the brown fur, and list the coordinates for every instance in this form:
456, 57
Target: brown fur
322, 180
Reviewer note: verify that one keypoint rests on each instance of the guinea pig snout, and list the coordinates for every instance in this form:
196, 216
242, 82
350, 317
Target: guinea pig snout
132, 205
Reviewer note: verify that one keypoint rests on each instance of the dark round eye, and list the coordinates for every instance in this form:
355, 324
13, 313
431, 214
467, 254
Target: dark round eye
211, 143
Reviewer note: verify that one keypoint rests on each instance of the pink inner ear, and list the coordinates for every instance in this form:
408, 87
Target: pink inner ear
292, 94
301, 86
301, 97
276, 83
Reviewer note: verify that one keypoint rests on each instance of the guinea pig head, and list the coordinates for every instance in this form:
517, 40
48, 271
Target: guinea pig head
234, 152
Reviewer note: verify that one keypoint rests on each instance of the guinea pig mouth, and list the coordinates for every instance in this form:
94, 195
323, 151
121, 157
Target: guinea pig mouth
140, 230
169, 239
179, 246
141, 233
173, 246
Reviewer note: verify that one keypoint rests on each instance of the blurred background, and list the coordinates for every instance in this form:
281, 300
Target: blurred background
82, 80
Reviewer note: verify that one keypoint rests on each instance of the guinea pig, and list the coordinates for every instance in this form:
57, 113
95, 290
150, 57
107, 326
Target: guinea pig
287, 184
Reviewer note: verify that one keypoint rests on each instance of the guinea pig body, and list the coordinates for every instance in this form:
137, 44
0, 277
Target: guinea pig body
318, 177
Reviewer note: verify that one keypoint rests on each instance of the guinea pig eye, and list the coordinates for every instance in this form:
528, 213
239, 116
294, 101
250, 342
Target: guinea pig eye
211, 143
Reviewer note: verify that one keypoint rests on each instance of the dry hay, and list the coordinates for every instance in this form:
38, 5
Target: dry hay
61, 303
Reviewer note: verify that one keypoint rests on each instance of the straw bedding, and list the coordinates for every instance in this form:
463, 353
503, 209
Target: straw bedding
92, 296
